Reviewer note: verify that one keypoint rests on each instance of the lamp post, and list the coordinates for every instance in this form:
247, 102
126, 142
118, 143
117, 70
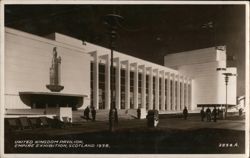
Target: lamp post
112, 21
227, 75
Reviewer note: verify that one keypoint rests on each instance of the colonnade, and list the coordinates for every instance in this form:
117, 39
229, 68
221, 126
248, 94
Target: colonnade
167, 91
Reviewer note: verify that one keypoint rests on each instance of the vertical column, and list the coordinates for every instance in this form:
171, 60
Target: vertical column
107, 82
95, 81
135, 85
178, 93
168, 92
173, 93
186, 92
127, 85
156, 89
150, 89
190, 94
182, 93
118, 83
163, 91
143, 88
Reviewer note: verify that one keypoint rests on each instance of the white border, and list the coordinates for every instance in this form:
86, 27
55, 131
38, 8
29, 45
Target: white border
4, 2
117, 2
1, 78
247, 84
127, 156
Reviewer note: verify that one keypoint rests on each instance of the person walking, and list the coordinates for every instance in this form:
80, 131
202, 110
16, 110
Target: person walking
86, 113
116, 116
214, 114
112, 119
240, 112
203, 114
185, 113
93, 113
139, 113
208, 114
218, 113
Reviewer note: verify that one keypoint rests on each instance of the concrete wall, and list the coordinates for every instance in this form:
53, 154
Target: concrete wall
232, 86
27, 62
102, 51
208, 85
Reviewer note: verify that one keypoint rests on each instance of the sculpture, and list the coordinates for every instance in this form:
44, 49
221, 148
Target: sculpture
55, 73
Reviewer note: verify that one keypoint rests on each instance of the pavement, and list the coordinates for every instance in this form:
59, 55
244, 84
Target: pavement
192, 123
196, 123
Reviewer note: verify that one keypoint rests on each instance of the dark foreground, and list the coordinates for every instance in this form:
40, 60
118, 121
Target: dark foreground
172, 136
137, 142
129, 141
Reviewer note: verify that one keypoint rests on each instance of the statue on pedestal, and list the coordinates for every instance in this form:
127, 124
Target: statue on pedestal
55, 73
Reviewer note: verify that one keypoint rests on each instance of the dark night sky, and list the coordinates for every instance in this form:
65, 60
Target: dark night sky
148, 31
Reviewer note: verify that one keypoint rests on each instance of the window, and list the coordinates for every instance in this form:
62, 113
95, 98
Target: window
154, 79
101, 86
160, 93
171, 94
166, 93
181, 94
91, 84
122, 89
131, 97
139, 90
147, 91
176, 94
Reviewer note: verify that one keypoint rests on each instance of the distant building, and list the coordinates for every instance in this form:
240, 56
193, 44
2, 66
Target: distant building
187, 79
241, 102
206, 68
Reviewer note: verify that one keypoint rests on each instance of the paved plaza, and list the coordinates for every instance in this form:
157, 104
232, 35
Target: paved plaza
192, 123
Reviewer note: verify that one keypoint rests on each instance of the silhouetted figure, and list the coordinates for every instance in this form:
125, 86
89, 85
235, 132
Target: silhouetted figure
224, 113
240, 112
139, 113
112, 113
185, 113
208, 114
116, 116
86, 113
218, 113
214, 114
93, 113
203, 114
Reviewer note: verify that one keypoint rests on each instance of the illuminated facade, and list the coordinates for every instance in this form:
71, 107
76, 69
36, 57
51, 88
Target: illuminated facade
187, 79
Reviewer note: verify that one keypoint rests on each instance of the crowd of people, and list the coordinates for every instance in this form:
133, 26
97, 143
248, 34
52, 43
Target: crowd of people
113, 115
87, 111
208, 114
